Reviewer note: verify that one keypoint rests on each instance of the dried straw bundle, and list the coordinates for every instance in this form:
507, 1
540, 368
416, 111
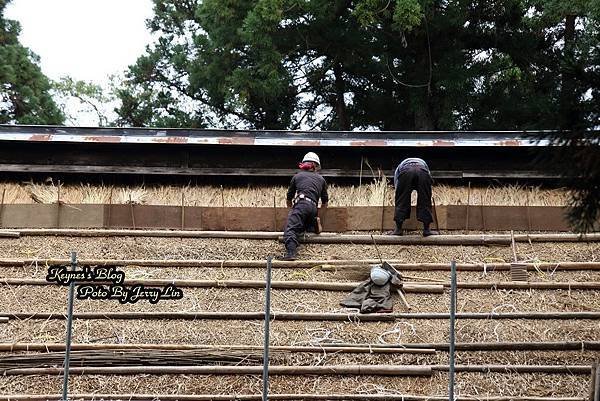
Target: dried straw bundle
372, 194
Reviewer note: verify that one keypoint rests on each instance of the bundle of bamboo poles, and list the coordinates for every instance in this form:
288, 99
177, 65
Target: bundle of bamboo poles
99, 357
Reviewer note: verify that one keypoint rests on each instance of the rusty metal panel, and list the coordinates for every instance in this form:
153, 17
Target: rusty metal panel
373, 139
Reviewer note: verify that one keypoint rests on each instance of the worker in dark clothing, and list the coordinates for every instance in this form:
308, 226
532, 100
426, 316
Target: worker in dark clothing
303, 196
413, 174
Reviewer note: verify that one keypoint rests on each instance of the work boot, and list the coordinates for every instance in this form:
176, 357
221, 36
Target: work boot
427, 232
397, 231
290, 254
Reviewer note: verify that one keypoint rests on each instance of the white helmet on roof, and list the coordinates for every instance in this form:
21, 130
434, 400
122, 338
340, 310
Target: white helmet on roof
379, 276
311, 157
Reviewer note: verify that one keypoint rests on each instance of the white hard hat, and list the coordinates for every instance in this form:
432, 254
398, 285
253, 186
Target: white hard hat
379, 276
311, 157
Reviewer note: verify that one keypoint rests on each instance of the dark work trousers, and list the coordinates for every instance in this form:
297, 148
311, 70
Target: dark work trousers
409, 180
300, 219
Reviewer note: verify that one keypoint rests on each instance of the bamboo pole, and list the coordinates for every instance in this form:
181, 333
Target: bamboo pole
299, 264
383, 204
377, 317
408, 240
513, 246
401, 348
551, 369
9, 234
149, 233
274, 397
490, 346
483, 239
437, 224
288, 285
411, 287
459, 239
205, 316
334, 370
58, 347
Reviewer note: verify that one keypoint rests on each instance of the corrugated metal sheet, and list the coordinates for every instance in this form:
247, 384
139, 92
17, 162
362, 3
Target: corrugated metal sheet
268, 138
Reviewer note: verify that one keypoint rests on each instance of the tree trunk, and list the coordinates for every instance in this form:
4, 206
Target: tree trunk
340, 106
568, 97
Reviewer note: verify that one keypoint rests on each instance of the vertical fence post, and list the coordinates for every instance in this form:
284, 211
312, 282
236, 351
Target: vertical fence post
468, 204
452, 334
383, 203
58, 206
275, 212
132, 212
265, 393
182, 210
65, 394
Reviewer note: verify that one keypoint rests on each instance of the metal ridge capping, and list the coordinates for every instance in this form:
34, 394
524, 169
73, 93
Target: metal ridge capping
176, 136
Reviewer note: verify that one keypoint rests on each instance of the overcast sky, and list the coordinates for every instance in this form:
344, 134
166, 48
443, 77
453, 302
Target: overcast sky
85, 39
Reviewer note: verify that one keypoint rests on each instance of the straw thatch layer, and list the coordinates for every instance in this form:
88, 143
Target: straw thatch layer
467, 384
371, 194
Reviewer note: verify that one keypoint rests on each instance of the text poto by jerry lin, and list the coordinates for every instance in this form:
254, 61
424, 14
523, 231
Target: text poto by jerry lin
107, 282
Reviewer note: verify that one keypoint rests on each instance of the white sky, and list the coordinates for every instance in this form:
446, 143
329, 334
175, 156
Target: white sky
88, 40
85, 39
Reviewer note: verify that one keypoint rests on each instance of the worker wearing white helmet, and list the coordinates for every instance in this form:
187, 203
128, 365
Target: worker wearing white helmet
312, 157
304, 192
